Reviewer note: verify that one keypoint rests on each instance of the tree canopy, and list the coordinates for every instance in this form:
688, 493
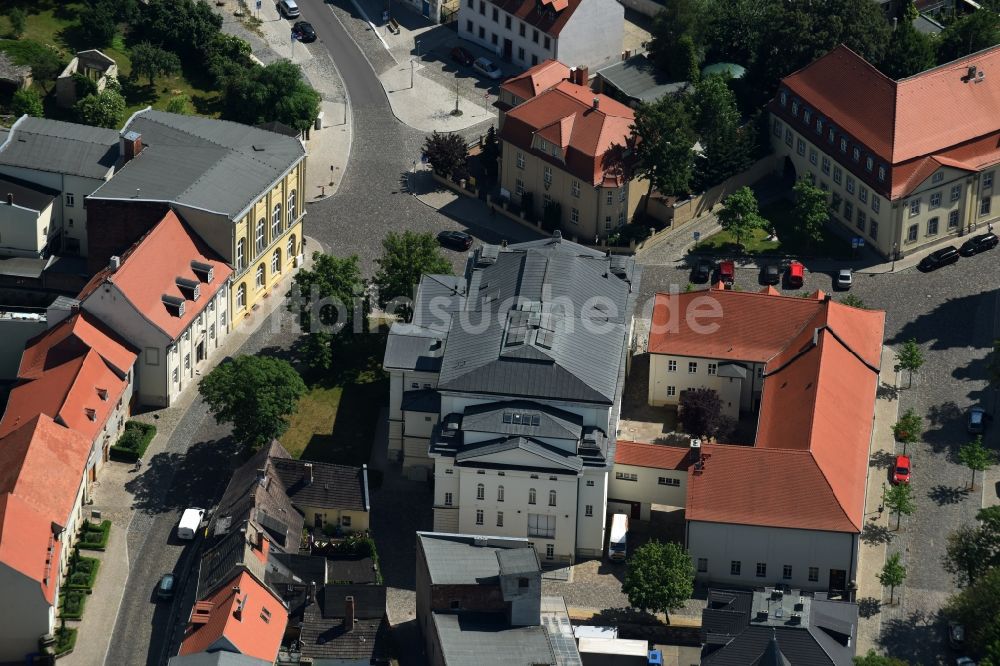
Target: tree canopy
908, 428
186, 27
910, 357
660, 577
899, 500
727, 148
27, 101
873, 658
152, 61
677, 38
810, 210
663, 151
446, 153
976, 457
255, 394
701, 414
405, 258
739, 215
276, 91
974, 549
978, 608
105, 109
909, 52
970, 33
893, 574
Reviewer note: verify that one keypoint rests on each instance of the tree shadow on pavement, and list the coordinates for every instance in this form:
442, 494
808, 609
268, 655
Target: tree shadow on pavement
869, 607
172, 481
882, 460
944, 426
945, 327
875, 534
915, 638
887, 391
943, 495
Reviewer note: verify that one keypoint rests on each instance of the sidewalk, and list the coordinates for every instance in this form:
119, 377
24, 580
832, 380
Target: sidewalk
871, 555
115, 503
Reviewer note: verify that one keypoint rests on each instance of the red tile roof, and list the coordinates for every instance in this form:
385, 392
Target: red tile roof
69, 339
539, 78
27, 544
228, 618
150, 269
548, 16
656, 456
924, 115
565, 115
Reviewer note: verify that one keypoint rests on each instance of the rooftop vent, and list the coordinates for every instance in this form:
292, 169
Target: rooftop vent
102, 393
190, 288
695, 443
205, 272
115, 263
174, 304
480, 541
91, 414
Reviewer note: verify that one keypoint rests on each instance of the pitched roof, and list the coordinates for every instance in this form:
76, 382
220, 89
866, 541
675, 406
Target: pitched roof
453, 559
566, 115
323, 485
369, 601
27, 544
26, 194
327, 638
217, 659
465, 638
655, 456
533, 81
154, 268
69, 339
245, 617
638, 78
555, 458
549, 16
209, 164
232, 554
55, 146
522, 417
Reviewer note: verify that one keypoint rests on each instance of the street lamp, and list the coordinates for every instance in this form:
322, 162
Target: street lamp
418, 48
895, 247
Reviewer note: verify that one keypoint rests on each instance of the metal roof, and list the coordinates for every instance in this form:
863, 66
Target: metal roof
476, 638
55, 146
411, 347
517, 561
454, 559
557, 457
23, 193
522, 417
637, 78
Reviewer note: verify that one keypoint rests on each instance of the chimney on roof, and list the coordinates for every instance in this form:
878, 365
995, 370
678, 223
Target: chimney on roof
10, 198
262, 477
557, 235
311, 593
580, 75
115, 263
309, 473
597, 102
131, 145
349, 613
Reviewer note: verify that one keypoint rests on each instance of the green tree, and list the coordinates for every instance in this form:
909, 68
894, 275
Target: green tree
892, 575
976, 457
660, 577
663, 147
973, 550
739, 215
978, 608
973, 32
908, 428
727, 148
677, 37
97, 23
256, 394
734, 32
910, 358
152, 61
44, 60
83, 85
18, 22
854, 302
811, 209
491, 152
227, 55
872, 658
180, 104
277, 91
899, 500
106, 109
909, 52
405, 258
331, 303
27, 101
446, 153
187, 27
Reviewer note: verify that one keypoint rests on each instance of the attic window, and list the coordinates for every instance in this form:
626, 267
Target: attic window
102, 393
175, 305
205, 272
265, 615
91, 413
190, 288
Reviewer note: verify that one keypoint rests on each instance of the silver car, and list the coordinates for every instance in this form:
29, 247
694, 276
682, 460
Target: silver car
845, 278
487, 68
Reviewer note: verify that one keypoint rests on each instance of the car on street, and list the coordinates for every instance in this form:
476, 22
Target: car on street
939, 258
976, 420
458, 240
288, 8
303, 31
702, 272
462, 56
727, 273
190, 523
796, 274
965, 661
770, 274
978, 244
165, 588
956, 635
845, 278
487, 68
901, 470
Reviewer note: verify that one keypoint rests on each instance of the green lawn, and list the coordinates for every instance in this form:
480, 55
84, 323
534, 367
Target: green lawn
790, 241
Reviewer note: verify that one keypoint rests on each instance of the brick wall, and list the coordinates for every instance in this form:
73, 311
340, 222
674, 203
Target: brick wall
113, 226
470, 597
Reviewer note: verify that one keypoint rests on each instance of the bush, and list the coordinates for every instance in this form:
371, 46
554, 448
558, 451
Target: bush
83, 85
18, 22
133, 442
27, 101
73, 603
65, 640
628, 233
94, 536
83, 573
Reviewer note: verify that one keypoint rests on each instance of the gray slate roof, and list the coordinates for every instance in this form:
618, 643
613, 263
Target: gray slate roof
499, 417
29, 195
10, 71
558, 458
478, 638
369, 600
224, 560
639, 79
332, 486
327, 638
411, 347
452, 559
220, 658
215, 165
59, 147
517, 561
350, 568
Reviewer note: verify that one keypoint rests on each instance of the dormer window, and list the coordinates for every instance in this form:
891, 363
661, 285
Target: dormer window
543, 145
102, 393
91, 414
175, 305
795, 108
205, 272
190, 288
784, 98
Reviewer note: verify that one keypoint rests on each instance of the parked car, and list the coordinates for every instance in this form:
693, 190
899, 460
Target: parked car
288, 9
303, 31
189, 523
956, 635
487, 68
165, 588
702, 271
977, 419
845, 278
965, 661
796, 274
901, 470
727, 273
939, 258
458, 240
462, 56
978, 244
770, 274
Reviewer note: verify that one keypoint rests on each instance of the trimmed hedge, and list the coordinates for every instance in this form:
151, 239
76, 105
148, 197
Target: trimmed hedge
73, 604
132, 444
94, 537
65, 640
82, 574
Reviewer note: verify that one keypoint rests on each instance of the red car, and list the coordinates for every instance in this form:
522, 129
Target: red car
796, 274
727, 273
901, 471
461, 56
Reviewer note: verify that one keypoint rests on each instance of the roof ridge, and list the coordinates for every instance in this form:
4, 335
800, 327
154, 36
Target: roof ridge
833, 492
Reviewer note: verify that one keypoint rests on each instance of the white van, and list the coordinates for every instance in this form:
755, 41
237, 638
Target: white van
618, 541
190, 521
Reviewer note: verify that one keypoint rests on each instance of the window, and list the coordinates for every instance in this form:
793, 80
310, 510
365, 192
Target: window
881, 173
935, 200
819, 126
588, 510
784, 98
534, 59
523, 583
843, 145
70, 199
914, 207
861, 219
211, 332
345, 521
290, 250
482, 31
496, 15
519, 187
869, 164
956, 192
541, 526
590, 483
777, 127
712, 367
850, 185
825, 165
795, 108
174, 375
800, 147
574, 215
875, 202
813, 574
187, 361
911, 234
469, 4
499, 518
468, 24
813, 156
449, 471
761, 569
837, 175
260, 239
482, 7
671, 391
692, 367
788, 136
552, 498
506, 22
848, 210
786, 572
260, 277
873, 230
622, 193
863, 194
610, 198
546, 43
493, 38
667, 481
984, 206
806, 116
276, 261
734, 568
574, 188
702, 564
241, 296
550, 551
241, 251
479, 516
621, 218
987, 180
835, 202
531, 496
521, 30
932, 226
480, 491
856, 154
953, 219
499, 493
265, 615
626, 476
607, 223
534, 36
671, 366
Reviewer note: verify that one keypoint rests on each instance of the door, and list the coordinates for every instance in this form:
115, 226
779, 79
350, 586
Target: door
318, 520
508, 49
426, 8
838, 580
200, 352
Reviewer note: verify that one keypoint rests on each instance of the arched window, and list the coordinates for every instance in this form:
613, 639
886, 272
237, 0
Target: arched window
276, 261
276, 221
260, 239
241, 296
531, 496
291, 207
291, 246
260, 276
480, 491
241, 254
499, 493
552, 498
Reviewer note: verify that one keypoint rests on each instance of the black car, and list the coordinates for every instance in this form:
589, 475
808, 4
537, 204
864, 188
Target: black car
702, 271
165, 588
939, 258
770, 274
303, 31
458, 240
978, 244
